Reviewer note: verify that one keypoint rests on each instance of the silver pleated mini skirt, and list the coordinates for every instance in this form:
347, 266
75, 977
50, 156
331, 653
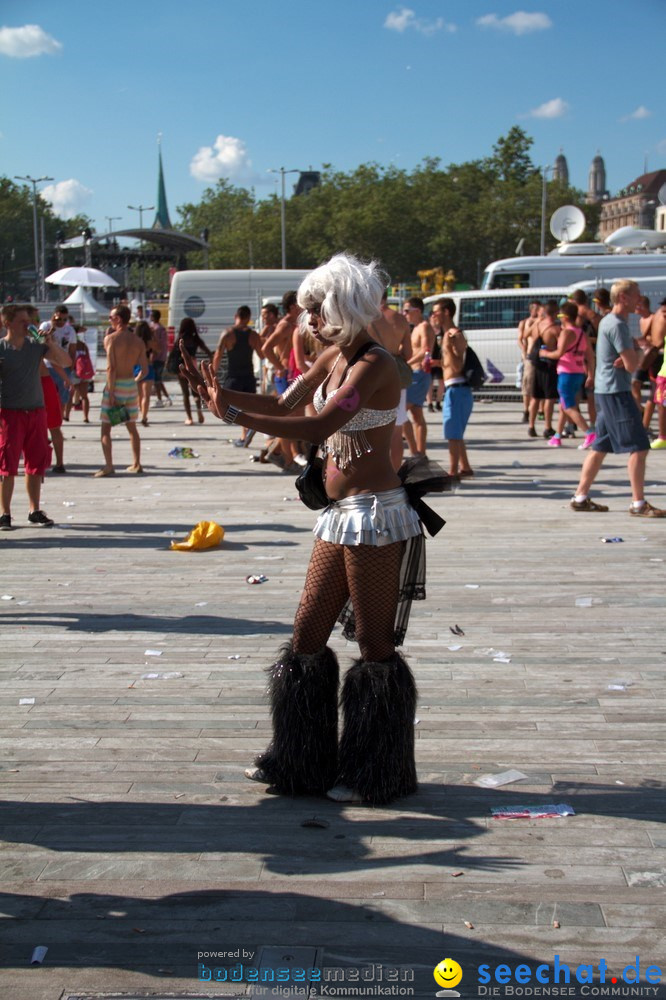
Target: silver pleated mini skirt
369, 519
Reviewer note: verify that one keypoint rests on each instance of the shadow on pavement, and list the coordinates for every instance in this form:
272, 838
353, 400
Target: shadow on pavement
187, 624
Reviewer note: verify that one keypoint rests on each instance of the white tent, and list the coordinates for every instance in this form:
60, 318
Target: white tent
93, 312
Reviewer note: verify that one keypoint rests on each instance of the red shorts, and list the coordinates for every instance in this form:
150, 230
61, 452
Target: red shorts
51, 402
24, 432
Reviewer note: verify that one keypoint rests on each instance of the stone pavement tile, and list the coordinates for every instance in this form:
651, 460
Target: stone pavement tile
654, 877
482, 911
21, 865
70, 866
643, 914
171, 891
505, 871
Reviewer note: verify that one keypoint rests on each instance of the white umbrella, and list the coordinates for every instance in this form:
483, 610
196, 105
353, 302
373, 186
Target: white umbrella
89, 277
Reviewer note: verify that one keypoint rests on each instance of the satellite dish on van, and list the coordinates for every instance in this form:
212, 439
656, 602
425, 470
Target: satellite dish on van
567, 223
661, 194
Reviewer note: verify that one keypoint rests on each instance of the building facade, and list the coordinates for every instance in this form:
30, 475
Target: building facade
634, 205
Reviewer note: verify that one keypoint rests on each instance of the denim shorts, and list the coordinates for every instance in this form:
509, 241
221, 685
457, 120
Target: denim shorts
619, 426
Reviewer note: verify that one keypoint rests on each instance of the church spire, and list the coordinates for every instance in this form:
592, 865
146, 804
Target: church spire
162, 220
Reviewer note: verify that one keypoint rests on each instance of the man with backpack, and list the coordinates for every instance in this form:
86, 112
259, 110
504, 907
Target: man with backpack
458, 397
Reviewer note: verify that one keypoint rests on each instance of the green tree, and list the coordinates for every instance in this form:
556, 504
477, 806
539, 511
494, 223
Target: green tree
511, 156
459, 217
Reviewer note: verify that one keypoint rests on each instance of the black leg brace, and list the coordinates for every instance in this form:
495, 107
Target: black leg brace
377, 746
302, 756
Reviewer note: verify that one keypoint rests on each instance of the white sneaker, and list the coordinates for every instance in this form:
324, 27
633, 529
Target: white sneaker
158, 404
255, 774
341, 793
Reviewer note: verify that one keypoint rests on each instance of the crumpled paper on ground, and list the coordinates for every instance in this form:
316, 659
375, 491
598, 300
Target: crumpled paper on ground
204, 535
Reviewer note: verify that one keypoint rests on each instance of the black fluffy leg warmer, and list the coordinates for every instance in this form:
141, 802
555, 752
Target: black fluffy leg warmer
377, 746
302, 756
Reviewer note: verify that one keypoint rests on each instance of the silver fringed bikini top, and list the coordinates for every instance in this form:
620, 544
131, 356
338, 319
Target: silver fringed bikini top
365, 420
350, 441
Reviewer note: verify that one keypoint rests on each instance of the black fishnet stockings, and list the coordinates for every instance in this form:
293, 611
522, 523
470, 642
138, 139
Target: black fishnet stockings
368, 574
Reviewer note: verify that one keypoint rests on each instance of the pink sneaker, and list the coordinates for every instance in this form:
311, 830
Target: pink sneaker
555, 441
588, 440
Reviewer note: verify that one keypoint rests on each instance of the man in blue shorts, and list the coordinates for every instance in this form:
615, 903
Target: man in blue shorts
458, 397
423, 341
618, 426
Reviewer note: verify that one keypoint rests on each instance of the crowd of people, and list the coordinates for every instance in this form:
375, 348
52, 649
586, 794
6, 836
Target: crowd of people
573, 353
344, 372
558, 345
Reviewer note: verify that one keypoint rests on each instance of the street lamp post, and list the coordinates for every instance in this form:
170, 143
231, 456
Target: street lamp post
141, 209
544, 191
282, 173
112, 218
35, 181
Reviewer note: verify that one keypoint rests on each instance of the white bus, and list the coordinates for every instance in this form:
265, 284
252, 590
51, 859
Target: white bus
211, 298
572, 263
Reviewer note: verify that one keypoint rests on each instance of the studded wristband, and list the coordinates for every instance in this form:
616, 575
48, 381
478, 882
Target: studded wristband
230, 414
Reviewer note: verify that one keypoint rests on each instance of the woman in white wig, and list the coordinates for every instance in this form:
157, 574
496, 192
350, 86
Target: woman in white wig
367, 563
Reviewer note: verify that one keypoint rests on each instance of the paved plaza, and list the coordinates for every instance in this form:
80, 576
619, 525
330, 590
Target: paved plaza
131, 842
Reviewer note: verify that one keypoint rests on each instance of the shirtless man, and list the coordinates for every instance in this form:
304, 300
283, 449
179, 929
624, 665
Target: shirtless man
269, 320
126, 364
524, 328
422, 343
458, 397
393, 332
657, 339
544, 332
277, 349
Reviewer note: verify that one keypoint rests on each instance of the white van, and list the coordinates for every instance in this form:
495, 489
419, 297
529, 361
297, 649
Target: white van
211, 298
572, 263
490, 321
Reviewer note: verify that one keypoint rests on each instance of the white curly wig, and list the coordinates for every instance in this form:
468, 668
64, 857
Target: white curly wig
349, 292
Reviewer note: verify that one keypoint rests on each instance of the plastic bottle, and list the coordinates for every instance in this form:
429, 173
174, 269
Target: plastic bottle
427, 362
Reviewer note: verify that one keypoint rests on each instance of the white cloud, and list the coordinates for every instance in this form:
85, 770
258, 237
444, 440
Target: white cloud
30, 40
227, 157
68, 198
404, 18
551, 109
661, 147
520, 23
640, 112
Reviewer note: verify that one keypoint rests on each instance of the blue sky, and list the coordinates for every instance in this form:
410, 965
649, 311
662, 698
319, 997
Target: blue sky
236, 88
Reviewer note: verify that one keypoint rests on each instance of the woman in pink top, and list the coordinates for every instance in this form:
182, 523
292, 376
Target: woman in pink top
575, 368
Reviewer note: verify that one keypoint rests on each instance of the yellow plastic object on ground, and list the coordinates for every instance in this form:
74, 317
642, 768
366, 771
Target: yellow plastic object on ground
204, 535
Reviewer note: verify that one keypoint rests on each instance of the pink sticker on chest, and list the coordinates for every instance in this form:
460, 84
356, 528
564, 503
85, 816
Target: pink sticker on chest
347, 399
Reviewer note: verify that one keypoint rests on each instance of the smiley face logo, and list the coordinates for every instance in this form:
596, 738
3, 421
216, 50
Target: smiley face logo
448, 973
